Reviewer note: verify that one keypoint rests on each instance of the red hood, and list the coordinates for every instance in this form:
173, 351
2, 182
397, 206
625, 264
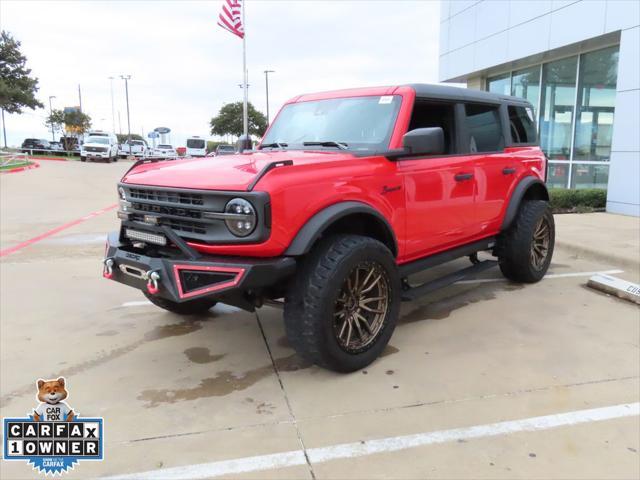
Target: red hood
227, 172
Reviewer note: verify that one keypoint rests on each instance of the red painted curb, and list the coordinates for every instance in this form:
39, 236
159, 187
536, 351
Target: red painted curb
26, 243
21, 169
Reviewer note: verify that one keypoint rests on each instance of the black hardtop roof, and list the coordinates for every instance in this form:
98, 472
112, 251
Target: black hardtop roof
446, 92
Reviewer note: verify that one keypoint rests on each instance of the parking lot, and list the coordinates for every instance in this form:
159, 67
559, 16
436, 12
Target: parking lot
224, 394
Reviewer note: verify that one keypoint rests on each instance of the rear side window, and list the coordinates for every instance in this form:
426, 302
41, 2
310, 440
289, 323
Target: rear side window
523, 129
482, 123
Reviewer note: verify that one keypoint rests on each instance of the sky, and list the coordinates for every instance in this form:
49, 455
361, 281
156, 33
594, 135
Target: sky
184, 67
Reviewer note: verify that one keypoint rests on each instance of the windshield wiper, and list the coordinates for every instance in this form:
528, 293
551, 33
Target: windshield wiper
328, 143
274, 145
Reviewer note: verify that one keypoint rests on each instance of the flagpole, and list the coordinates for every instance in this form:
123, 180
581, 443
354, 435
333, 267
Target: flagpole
245, 113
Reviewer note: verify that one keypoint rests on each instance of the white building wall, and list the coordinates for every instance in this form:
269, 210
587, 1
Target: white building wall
478, 38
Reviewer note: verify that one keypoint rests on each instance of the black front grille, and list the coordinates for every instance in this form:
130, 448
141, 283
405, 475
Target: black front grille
181, 198
165, 210
95, 149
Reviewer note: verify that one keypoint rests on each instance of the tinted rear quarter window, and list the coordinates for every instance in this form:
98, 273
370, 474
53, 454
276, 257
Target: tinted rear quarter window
523, 129
482, 123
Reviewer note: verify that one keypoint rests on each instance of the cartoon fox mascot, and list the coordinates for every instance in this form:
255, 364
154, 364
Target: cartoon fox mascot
51, 394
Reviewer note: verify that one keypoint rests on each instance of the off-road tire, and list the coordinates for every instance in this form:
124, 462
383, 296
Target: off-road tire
194, 307
515, 245
83, 159
310, 303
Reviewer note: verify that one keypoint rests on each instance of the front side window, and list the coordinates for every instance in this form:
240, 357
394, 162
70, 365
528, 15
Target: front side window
523, 129
354, 123
484, 129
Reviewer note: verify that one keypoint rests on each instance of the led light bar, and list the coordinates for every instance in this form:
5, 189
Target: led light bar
145, 237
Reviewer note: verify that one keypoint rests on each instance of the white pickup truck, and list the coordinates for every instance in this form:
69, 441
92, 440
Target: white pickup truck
139, 148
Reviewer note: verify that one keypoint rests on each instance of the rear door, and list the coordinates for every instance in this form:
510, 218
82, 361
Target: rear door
495, 170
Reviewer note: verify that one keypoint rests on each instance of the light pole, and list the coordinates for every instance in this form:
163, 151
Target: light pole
266, 81
113, 110
126, 79
53, 137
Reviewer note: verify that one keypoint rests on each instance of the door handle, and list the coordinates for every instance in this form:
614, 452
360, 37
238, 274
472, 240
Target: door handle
461, 177
508, 171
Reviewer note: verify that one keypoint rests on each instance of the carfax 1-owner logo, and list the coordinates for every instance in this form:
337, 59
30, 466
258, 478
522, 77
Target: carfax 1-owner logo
54, 437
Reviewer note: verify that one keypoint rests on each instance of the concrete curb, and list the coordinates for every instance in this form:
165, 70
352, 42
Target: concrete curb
626, 262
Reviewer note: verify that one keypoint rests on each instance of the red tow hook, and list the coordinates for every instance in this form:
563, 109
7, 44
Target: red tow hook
107, 271
153, 278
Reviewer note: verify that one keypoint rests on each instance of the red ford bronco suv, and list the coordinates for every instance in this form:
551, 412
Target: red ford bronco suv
349, 194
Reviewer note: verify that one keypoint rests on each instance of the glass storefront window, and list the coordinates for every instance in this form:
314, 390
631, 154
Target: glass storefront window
500, 84
557, 175
589, 175
526, 84
596, 100
578, 147
557, 107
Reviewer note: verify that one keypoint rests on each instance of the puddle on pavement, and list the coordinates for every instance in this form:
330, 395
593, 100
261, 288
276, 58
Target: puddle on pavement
158, 333
202, 355
173, 330
107, 333
441, 308
224, 383
389, 350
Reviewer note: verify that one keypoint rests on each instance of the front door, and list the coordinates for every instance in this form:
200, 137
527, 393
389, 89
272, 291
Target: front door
440, 203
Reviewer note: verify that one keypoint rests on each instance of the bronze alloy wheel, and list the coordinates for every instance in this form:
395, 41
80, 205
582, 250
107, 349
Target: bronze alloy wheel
540, 243
361, 307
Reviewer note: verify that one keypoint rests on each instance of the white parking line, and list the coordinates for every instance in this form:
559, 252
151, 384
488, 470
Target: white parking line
546, 277
229, 309
385, 445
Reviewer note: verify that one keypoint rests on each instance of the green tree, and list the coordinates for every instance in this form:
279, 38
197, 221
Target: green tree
122, 137
229, 121
17, 87
71, 122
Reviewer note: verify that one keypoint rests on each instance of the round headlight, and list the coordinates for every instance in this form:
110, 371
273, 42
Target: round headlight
242, 217
121, 192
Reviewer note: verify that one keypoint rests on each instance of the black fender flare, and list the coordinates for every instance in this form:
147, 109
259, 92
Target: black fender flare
318, 223
516, 198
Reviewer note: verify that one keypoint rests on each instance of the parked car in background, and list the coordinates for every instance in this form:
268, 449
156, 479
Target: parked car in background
196, 147
225, 150
164, 151
100, 147
56, 146
35, 145
139, 148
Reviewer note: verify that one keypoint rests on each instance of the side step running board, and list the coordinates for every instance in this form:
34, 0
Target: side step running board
413, 293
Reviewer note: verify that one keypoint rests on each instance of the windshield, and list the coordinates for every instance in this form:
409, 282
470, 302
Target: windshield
195, 143
103, 140
360, 123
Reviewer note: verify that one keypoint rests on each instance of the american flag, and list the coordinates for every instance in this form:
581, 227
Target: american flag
231, 17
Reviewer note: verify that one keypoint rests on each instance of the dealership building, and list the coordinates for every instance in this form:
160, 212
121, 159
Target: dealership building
578, 63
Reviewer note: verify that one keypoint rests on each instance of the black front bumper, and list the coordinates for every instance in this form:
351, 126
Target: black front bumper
236, 281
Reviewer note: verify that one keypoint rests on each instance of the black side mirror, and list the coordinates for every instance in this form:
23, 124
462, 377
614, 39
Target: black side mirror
424, 141
243, 143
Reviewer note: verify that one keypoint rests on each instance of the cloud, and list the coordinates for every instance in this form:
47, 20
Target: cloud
184, 67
